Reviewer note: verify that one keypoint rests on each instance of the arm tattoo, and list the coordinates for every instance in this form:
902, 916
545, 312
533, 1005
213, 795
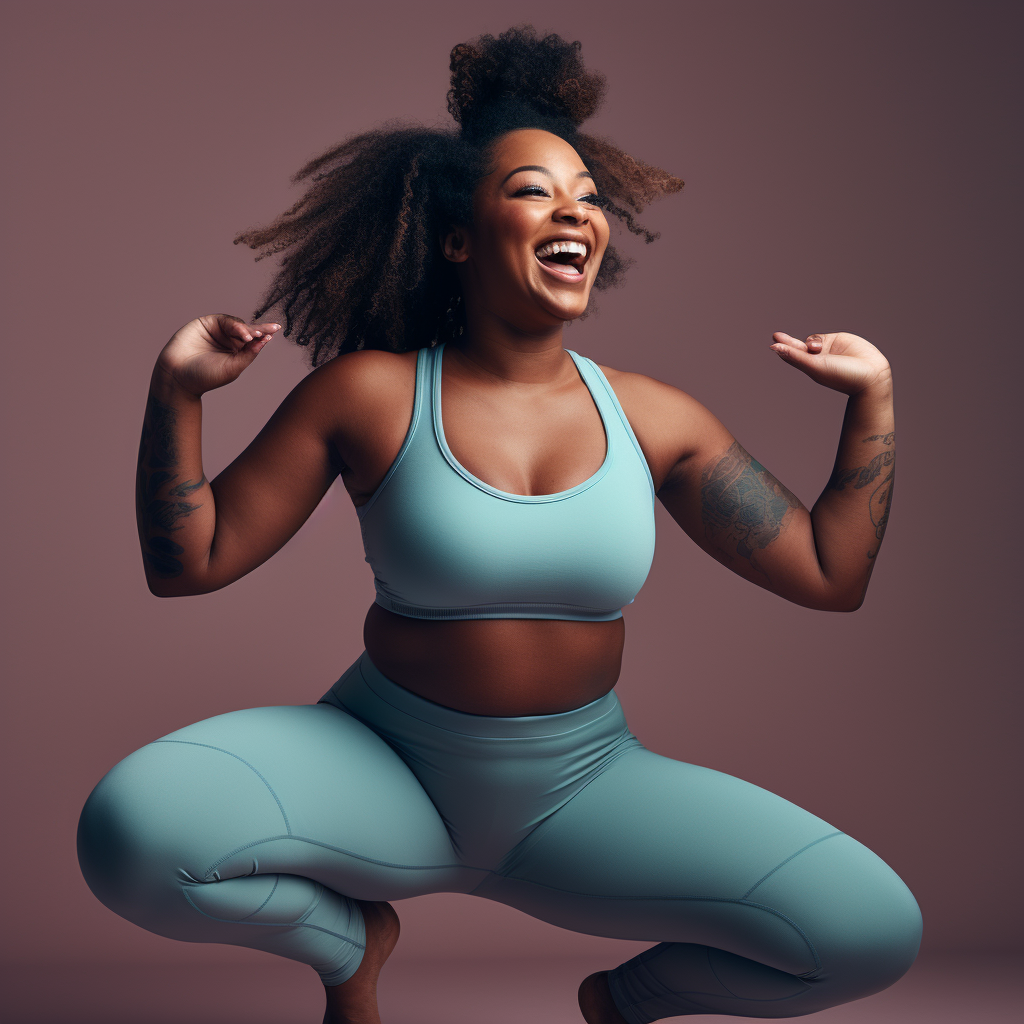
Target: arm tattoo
158, 464
161, 557
162, 450
183, 490
165, 514
743, 506
880, 500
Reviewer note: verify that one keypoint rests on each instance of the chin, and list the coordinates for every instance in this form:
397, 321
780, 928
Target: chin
566, 311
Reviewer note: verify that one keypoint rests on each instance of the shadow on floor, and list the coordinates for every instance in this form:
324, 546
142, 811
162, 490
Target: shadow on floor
940, 989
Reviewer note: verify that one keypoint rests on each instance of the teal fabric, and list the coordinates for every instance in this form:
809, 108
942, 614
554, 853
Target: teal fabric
261, 827
444, 544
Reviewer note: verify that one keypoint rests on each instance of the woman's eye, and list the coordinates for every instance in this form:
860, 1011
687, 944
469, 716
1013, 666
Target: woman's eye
592, 198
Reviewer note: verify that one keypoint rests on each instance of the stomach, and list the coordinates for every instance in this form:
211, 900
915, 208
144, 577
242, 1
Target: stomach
500, 667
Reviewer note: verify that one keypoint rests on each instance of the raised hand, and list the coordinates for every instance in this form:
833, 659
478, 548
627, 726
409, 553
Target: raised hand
212, 351
843, 362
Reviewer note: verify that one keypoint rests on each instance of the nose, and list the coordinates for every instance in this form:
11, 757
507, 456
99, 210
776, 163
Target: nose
572, 211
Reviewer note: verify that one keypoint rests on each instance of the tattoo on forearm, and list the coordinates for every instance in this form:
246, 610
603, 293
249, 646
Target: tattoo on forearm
880, 499
743, 506
158, 464
162, 450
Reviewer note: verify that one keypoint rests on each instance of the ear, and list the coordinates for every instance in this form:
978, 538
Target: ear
455, 245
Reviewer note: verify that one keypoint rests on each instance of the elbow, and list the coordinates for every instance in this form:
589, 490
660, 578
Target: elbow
162, 588
168, 576
842, 602
176, 586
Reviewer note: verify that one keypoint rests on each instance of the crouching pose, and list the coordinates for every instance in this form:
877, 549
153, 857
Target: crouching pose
505, 489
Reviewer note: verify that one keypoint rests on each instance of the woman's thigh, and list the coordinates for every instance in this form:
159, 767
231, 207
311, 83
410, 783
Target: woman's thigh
660, 850
297, 790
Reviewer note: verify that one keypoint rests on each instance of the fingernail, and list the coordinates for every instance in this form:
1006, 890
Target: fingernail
257, 334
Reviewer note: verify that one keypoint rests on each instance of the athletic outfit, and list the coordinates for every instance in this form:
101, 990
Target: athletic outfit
261, 827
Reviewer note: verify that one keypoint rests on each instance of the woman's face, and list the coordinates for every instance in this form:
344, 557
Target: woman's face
538, 195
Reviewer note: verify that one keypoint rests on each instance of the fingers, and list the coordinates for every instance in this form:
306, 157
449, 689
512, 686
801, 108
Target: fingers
241, 334
813, 344
259, 335
789, 351
265, 330
803, 354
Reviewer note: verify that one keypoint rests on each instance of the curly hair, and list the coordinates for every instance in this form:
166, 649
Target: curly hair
363, 265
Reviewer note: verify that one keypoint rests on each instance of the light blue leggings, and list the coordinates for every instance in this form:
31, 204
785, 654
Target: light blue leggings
259, 828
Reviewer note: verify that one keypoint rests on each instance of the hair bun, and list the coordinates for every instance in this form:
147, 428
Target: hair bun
545, 73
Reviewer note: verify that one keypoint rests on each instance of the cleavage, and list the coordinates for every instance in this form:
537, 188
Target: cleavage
521, 444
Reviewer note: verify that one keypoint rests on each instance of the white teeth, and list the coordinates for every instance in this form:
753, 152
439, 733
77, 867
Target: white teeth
555, 247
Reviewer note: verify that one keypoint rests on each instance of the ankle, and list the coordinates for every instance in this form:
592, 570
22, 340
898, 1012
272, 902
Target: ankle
596, 1003
355, 1001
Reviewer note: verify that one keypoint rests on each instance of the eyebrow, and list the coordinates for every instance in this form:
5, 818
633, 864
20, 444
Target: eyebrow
537, 167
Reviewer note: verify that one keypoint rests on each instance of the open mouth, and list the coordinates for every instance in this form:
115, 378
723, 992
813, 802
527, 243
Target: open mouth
564, 259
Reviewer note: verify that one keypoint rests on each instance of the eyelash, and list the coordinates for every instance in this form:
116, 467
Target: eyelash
592, 197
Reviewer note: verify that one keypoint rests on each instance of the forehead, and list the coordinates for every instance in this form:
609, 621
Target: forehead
534, 146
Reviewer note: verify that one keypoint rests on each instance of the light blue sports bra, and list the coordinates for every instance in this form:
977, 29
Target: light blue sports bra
445, 545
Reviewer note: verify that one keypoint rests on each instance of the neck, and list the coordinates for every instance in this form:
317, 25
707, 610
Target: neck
500, 349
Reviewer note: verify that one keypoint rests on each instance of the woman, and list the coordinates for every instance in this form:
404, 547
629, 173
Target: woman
505, 491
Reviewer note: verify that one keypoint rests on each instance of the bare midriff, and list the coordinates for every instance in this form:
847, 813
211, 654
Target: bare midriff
501, 667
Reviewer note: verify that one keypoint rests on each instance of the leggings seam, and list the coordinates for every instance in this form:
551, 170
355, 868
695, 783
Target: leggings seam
335, 849
537, 833
706, 899
267, 924
714, 974
259, 774
277, 881
316, 903
782, 863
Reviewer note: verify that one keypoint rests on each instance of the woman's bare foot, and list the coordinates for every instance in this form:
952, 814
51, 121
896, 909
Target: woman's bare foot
596, 1003
355, 1001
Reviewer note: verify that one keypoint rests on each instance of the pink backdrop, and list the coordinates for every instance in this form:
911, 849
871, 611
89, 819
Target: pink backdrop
847, 166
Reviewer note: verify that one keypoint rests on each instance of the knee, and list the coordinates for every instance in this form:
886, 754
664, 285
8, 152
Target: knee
872, 931
163, 819
124, 860
858, 921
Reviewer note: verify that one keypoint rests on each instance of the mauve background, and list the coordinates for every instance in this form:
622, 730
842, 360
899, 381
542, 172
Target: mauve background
848, 167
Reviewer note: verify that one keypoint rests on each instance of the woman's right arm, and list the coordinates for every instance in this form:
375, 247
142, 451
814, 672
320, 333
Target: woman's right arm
199, 536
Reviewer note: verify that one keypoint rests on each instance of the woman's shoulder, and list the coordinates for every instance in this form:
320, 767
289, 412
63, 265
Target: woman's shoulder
367, 383
367, 369
669, 423
639, 392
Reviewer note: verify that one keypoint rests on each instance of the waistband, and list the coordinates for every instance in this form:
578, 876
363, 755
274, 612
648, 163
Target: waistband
364, 672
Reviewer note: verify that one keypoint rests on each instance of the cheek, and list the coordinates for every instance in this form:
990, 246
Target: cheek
505, 241
509, 226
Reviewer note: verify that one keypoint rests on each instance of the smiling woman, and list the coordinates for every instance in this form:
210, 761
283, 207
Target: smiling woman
363, 268
505, 488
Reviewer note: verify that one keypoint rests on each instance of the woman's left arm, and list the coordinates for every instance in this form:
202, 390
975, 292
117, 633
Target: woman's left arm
743, 516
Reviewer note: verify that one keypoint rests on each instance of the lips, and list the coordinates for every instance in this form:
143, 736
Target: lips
569, 274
